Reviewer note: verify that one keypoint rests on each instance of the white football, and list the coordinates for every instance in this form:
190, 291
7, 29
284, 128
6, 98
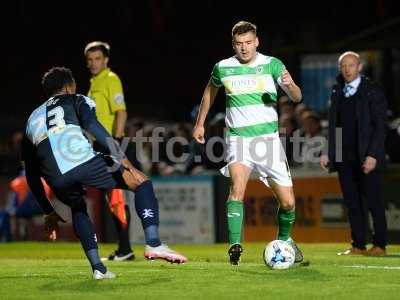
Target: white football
279, 255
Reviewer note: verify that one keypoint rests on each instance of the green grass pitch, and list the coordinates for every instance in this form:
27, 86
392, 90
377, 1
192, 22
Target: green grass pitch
42, 271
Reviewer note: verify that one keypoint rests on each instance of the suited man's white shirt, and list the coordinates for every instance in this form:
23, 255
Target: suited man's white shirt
350, 88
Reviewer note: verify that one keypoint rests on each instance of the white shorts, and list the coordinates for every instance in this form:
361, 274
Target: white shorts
264, 155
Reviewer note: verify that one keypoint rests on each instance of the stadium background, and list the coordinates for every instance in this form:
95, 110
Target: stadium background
174, 44
164, 52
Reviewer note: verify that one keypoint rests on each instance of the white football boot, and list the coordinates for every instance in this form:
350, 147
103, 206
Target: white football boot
164, 252
97, 275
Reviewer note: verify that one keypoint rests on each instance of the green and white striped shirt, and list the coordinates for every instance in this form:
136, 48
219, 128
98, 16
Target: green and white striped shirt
250, 94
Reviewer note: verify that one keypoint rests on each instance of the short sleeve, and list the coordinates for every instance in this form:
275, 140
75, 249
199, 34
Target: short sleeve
216, 76
87, 100
277, 67
115, 94
85, 108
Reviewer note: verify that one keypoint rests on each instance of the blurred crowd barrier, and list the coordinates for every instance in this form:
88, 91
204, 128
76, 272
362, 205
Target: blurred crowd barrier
192, 210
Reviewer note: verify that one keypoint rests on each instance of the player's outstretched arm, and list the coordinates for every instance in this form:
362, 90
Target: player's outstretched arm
89, 122
132, 176
210, 92
51, 225
287, 83
33, 176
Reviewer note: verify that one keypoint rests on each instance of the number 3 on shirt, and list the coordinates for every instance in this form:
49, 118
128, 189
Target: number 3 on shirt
58, 118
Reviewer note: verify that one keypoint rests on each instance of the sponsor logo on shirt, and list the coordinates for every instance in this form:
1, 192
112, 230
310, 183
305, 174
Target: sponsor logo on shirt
249, 84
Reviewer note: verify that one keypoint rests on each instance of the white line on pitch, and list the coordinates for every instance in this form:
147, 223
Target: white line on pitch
374, 267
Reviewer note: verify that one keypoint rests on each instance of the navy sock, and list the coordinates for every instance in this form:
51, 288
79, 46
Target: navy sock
146, 205
93, 257
100, 267
151, 236
84, 230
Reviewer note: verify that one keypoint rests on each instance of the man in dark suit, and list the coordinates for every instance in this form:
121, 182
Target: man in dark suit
356, 150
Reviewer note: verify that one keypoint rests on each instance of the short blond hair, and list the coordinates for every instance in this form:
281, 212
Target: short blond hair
352, 53
244, 27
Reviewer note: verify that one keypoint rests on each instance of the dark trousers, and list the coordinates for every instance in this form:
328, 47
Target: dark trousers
357, 186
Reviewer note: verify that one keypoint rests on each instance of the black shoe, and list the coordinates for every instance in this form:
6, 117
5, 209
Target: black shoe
234, 253
119, 256
298, 257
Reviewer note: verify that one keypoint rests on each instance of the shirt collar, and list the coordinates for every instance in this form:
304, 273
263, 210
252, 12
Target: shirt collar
252, 64
101, 74
355, 83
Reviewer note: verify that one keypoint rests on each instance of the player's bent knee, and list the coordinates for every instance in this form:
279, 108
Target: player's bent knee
134, 178
288, 205
141, 177
237, 192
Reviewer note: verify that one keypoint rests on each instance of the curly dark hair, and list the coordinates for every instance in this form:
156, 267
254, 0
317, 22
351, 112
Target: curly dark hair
55, 79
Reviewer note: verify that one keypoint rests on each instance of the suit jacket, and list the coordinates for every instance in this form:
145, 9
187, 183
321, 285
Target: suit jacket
371, 107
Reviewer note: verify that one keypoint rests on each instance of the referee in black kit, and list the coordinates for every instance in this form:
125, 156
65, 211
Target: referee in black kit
358, 108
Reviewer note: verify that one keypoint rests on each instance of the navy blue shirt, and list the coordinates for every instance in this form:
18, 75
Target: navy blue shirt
55, 142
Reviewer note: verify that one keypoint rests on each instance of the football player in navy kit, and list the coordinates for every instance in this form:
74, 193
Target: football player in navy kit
56, 148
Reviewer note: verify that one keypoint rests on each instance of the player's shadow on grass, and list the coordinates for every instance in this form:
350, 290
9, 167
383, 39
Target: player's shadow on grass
390, 256
298, 273
89, 285
26, 276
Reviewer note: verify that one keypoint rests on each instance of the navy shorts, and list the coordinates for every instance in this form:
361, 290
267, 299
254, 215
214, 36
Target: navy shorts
100, 172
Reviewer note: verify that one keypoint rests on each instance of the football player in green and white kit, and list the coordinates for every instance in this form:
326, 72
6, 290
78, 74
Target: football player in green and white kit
253, 143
